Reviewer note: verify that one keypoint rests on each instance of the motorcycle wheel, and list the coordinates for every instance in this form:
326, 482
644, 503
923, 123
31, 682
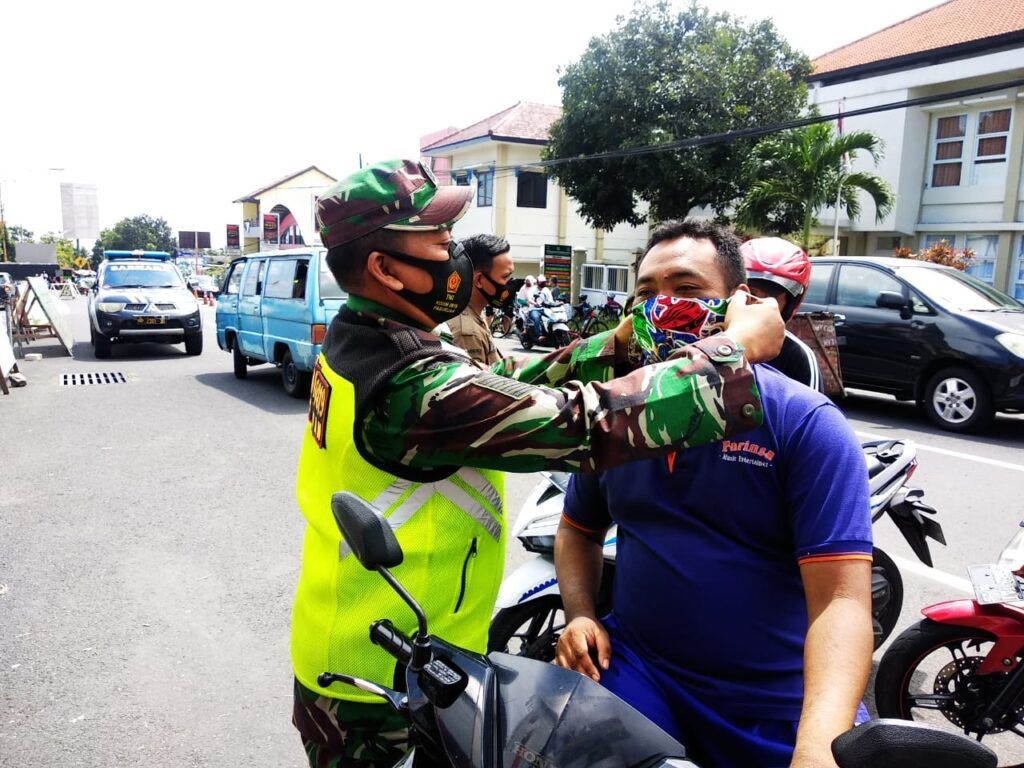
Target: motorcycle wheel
928, 675
888, 614
529, 629
562, 339
524, 340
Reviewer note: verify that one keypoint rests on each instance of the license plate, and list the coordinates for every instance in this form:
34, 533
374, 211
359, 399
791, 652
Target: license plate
152, 321
994, 584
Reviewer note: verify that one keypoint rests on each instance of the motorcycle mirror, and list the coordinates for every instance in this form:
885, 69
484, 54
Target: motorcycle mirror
890, 743
366, 532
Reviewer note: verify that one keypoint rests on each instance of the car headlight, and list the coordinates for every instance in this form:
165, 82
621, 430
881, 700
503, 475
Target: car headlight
1014, 342
110, 306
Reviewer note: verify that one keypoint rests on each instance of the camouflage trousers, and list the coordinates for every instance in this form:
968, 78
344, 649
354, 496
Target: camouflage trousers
346, 734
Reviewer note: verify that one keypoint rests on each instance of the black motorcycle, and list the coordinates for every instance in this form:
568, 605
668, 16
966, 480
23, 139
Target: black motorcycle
498, 711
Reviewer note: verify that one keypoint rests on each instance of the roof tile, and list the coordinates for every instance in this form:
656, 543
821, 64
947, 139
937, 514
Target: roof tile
524, 120
951, 23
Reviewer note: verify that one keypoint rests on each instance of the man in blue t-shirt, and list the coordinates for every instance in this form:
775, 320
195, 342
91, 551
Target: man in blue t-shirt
742, 596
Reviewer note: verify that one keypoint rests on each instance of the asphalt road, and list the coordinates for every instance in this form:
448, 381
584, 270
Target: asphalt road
150, 541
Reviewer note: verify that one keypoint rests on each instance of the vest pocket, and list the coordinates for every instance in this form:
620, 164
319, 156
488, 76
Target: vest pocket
470, 555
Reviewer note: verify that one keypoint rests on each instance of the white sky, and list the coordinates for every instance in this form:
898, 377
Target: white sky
176, 109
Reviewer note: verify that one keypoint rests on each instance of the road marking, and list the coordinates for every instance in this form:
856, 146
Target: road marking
920, 569
947, 452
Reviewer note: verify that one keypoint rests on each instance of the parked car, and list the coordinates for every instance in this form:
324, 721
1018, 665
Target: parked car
6, 286
274, 307
924, 332
140, 296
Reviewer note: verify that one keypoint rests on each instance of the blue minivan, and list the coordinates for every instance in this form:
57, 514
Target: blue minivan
274, 307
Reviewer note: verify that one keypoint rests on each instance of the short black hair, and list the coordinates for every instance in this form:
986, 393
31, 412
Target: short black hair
348, 262
484, 249
727, 245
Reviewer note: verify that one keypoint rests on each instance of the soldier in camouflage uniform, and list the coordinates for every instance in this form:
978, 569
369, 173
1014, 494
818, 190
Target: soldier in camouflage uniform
406, 421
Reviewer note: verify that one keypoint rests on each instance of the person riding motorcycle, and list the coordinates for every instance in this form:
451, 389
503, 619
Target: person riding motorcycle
540, 299
778, 269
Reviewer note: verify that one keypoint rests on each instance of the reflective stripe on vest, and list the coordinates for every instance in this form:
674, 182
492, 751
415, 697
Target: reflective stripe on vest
449, 490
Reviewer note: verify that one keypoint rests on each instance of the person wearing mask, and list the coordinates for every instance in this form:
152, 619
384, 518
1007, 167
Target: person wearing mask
406, 421
541, 298
492, 273
741, 619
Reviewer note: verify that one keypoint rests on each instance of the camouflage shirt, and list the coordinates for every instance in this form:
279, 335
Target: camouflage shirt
566, 411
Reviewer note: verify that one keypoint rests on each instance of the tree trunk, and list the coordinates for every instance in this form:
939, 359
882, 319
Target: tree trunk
808, 219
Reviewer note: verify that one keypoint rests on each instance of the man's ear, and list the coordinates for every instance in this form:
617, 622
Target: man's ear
377, 268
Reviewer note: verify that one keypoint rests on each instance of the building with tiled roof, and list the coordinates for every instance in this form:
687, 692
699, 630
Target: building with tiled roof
282, 214
955, 164
515, 199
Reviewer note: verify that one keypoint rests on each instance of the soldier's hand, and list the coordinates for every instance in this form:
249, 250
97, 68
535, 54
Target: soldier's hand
757, 325
574, 647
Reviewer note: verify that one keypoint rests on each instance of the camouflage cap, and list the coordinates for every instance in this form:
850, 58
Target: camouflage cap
397, 194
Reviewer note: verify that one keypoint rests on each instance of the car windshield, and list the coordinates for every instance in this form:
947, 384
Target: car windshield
141, 276
329, 288
955, 290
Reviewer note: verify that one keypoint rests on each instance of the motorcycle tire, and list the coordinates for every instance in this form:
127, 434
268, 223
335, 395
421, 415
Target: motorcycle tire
889, 614
536, 624
524, 341
901, 666
562, 339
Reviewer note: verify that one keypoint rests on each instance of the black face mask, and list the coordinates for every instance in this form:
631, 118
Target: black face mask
453, 283
502, 292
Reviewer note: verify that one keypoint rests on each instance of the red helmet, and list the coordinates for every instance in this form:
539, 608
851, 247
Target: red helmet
781, 262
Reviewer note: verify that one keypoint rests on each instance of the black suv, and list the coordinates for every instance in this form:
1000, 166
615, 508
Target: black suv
924, 332
140, 296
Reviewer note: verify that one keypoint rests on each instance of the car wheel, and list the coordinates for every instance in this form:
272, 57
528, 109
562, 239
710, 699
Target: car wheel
296, 381
194, 344
101, 346
241, 365
958, 400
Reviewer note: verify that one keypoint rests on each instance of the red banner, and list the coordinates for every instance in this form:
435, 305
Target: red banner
270, 228
233, 236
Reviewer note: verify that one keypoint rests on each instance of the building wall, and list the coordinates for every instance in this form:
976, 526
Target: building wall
529, 229
985, 209
299, 196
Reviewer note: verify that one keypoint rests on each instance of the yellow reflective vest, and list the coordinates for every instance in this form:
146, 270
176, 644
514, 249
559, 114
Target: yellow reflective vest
452, 533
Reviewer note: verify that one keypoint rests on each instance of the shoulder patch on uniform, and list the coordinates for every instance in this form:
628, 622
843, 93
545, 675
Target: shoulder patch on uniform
319, 402
503, 385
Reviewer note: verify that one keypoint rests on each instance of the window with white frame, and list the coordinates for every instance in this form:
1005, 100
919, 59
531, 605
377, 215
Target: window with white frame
983, 265
484, 188
947, 157
1017, 276
970, 148
604, 278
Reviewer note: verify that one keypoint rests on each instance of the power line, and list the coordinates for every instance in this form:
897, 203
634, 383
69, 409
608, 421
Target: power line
745, 133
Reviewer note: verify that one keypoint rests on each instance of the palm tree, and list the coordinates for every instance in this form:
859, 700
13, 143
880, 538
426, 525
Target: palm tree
798, 172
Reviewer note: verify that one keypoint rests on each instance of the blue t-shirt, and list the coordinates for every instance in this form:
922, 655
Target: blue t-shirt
707, 580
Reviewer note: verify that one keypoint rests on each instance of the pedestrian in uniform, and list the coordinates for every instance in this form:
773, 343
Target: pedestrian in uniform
403, 419
492, 271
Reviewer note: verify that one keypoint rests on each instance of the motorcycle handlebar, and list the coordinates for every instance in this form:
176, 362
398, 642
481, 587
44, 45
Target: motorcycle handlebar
384, 634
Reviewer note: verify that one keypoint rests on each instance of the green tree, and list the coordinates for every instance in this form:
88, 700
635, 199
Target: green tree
21, 235
796, 173
138, 232
65, 249
97, 254
7, 250
664, 75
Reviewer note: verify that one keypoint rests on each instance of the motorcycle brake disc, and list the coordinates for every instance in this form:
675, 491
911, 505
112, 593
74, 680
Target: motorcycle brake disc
971, 695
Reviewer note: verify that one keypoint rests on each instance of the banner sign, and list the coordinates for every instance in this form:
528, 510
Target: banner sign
193, 240
558, 263
233, 240
270, 228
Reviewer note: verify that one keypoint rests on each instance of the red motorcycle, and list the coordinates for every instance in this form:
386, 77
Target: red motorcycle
962, 664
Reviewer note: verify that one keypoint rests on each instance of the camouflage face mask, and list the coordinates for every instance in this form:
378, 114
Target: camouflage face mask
663, 324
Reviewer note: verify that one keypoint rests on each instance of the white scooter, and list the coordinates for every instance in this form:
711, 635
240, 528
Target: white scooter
554, 320
528, 616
